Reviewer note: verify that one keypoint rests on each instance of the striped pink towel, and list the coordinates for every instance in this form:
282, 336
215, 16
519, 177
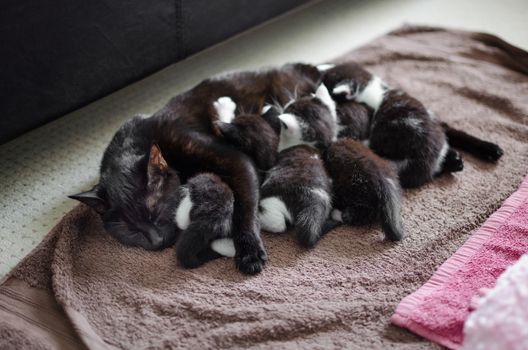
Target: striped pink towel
438, 309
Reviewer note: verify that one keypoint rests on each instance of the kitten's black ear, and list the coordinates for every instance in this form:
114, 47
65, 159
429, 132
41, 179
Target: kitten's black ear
156, 160
229, 131
92, 199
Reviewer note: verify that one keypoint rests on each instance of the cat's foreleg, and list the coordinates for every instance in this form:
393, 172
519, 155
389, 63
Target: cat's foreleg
241, 176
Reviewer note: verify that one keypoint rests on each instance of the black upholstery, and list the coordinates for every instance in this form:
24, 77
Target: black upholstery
57, 55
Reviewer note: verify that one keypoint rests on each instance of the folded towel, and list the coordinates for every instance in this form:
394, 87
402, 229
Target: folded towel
438, 309
501, 319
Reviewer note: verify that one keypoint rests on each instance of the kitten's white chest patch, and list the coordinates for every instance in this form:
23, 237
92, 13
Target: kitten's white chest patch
372, 95
183, 212
225, 108
224, 246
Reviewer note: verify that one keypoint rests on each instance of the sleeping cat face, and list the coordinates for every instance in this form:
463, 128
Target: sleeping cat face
309, 120
136, 218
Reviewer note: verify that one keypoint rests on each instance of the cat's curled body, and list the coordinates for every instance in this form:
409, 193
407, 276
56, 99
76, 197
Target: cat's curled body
185, 132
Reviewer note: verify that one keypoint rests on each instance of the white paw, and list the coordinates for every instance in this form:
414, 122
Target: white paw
224, 246
225, 108
337, 215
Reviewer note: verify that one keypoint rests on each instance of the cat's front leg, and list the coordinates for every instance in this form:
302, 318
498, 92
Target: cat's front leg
250, 253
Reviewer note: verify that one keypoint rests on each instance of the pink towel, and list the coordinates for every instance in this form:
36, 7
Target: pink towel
438, 309
501, 318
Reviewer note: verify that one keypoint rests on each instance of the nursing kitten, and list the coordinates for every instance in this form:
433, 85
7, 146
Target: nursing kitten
297, 191
401, 129
353, 120
204, 215
309, 120
365, 187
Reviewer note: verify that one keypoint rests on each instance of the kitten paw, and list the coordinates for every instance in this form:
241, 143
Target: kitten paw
453, 162
491, 152
251, 263
225, 108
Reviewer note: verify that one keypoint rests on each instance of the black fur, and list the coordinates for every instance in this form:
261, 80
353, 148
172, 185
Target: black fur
401, 129
135, 196
253, 135
481, 149
300, 180
210, 218
318, 125
365, 187
353, 120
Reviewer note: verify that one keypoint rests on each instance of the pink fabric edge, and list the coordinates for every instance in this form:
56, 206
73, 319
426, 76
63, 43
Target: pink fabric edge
453, 264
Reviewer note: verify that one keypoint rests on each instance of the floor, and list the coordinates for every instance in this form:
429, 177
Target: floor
39, 169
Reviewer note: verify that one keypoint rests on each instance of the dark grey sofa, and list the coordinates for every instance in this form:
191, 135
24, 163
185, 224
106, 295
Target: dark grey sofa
57, 55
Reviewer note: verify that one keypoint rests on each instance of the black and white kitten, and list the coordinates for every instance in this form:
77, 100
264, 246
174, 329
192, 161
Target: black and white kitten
204, 215
401, 129
365, 187
310, 120
296, 189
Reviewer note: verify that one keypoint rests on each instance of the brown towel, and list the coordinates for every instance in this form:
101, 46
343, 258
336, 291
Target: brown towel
81, 286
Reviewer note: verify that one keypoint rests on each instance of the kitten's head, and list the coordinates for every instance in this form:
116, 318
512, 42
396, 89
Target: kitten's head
309, 120
138, 192
253, 135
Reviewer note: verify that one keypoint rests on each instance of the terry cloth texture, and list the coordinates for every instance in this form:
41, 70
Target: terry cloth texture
80, 285
438, 309
501, 319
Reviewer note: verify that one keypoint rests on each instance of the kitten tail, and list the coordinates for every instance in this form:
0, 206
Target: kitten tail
391, 221
310, 222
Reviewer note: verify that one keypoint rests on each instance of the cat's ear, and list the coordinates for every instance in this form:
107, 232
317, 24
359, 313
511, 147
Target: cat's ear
229, 131
92, 199
156, 160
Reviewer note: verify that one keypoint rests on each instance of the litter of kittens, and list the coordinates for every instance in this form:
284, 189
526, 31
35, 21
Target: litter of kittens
92, 291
